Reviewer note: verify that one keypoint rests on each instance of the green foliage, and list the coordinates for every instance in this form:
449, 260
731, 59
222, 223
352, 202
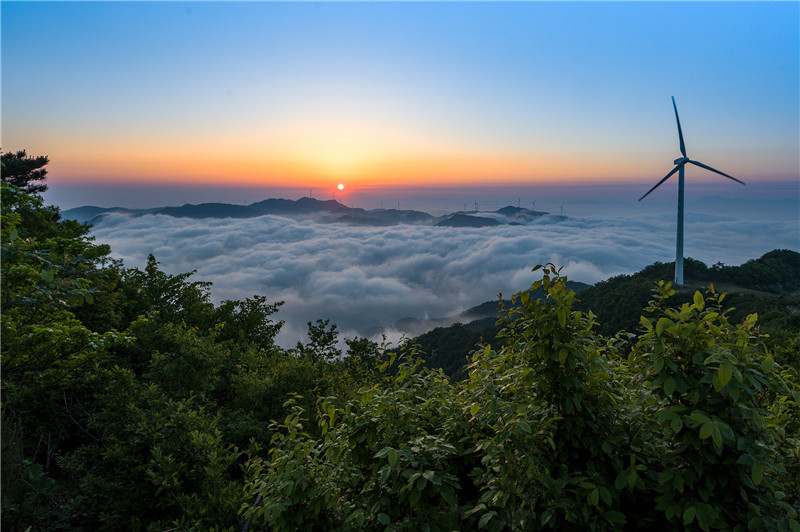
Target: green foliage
552, 441
169, 453
23, 171
167, 298
322, 340
49, 358
759, 286
554, 430
711, 389
248, 322
776, 271
129, 401
448, 348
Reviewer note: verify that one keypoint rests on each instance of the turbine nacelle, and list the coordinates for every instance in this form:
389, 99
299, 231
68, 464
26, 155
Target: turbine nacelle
682, 160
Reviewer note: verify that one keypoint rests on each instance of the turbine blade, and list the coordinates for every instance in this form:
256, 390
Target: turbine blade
701, 165
659, 183
680, 132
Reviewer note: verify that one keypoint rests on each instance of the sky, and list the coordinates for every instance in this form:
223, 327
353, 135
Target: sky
435, 106
148, 103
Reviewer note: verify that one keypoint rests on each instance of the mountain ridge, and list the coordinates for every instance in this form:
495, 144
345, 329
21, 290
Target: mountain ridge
326, 211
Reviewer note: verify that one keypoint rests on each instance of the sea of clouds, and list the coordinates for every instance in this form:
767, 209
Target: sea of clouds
363, 278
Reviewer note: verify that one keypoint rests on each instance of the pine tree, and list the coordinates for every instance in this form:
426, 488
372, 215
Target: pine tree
23, 171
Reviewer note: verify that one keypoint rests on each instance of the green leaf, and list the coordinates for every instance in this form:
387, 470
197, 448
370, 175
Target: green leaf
485, 519
688, 514
615, 517
524, 296
594, 497
724, 373
392, 457
644, 322
474, 409
699, 302
525, 427
662, 324
706, 430
605, 495
366, 397
716, 436
669, 386
633, 476
562, 317
757, 473
383, 519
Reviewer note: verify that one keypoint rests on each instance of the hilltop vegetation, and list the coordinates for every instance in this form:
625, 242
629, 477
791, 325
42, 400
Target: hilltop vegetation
768, 286
131, 402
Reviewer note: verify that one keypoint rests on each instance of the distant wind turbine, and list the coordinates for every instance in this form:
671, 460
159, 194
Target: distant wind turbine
562, 208
679, 165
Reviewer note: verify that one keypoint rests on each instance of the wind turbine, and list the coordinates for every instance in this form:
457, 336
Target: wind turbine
562, 208
679, 165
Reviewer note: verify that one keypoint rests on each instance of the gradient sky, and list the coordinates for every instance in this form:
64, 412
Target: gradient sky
400, 94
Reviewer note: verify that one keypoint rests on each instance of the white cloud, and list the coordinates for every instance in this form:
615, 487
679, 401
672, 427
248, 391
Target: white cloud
366, 277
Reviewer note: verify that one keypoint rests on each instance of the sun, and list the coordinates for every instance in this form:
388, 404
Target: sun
340, 187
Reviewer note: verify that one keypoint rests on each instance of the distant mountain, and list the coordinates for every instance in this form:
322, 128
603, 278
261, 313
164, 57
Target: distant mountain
89, 213
465, 220
325, 211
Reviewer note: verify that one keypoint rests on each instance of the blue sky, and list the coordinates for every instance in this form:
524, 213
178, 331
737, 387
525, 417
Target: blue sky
310, 94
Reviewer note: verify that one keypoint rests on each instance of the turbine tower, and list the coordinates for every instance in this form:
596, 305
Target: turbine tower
679, 166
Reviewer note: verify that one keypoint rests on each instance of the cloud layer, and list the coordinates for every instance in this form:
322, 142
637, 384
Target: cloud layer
367, 277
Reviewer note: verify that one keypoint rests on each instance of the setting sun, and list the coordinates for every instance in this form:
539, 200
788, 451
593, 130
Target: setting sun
340, 187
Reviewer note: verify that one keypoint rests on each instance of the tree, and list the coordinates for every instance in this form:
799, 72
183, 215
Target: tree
322, 340
22, 170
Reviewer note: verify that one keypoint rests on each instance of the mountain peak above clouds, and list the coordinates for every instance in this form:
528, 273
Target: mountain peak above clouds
327, 211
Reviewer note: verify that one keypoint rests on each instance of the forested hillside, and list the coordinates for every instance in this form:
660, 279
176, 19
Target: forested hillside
768, 286
131, 402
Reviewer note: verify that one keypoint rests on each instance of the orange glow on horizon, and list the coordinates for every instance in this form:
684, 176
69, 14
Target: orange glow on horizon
448, 169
